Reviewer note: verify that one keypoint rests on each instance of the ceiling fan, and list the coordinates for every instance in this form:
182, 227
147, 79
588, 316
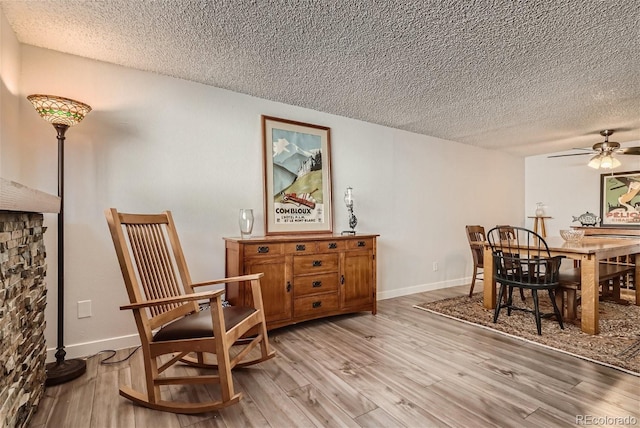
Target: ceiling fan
604, 152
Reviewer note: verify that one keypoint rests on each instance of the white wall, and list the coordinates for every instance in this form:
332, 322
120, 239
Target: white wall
9, 102
567, 187
153, 142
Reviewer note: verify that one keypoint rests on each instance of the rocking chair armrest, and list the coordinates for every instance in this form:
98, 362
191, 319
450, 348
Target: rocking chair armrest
231, 279
175, 299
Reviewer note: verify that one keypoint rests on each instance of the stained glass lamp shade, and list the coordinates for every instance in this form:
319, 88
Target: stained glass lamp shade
59, 110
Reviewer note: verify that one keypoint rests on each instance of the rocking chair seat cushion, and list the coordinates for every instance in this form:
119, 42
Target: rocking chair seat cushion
199, 324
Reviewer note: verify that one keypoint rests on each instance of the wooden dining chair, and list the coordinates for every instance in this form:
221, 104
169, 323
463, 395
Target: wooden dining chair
508, 232
476, 237
523, 260
176, 324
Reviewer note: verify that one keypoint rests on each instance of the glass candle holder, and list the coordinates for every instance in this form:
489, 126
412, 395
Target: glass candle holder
245, 220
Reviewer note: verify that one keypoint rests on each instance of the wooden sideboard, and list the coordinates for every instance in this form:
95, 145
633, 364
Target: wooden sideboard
305, 276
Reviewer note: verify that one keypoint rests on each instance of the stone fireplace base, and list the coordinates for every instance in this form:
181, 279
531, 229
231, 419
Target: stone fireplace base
22, 322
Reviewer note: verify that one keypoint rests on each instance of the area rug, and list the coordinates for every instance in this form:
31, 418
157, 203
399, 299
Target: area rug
617, 345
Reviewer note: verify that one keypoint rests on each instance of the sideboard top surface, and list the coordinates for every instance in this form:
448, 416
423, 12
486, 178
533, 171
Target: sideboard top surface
296, 238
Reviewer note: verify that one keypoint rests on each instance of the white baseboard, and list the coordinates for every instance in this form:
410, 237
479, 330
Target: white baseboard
87, 349
382, 295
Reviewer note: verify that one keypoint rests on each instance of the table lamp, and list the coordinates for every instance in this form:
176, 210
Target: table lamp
353, 221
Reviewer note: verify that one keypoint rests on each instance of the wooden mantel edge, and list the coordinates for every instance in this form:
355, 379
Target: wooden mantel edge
17, 197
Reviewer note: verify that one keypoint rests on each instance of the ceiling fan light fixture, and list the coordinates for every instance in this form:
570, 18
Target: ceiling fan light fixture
595, 162
615, 163
609, 162
606, 162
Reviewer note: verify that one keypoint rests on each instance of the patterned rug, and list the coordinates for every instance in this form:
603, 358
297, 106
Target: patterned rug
617, 345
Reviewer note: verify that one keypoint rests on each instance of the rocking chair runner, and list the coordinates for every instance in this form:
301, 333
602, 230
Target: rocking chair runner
170, 319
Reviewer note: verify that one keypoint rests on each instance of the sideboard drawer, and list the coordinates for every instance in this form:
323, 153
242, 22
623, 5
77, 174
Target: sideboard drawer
315, 263
269, 249
360, 244
313, 284
330, 246
300, 248
311, 305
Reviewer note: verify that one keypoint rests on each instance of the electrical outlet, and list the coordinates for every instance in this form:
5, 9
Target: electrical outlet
435, 266
84, 309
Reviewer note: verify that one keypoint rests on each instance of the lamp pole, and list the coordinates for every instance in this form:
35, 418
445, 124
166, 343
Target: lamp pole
62, 370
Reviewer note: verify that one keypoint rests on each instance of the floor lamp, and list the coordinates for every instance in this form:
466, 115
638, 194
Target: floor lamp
61, 113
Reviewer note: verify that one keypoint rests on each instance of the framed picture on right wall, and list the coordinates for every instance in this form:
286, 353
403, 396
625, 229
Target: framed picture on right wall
620, 199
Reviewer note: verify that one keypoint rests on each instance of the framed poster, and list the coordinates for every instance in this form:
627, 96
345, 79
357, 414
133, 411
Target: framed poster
620, 199
297, 177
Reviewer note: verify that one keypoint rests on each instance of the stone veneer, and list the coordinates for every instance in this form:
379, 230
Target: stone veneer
22, 322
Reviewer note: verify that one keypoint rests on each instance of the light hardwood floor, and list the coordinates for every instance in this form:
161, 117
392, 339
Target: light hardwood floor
400, 368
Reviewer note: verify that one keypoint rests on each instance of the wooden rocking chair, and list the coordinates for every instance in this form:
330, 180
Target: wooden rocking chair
171, 320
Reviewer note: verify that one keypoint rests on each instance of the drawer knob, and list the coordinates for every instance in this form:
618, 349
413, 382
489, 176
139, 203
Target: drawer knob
288, 286
301, 247
316, 284
317, 263
316, 305
263, 249
333, 245
361, 244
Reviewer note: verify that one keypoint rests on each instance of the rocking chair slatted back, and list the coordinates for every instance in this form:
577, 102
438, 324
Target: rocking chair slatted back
159, 269
155, 267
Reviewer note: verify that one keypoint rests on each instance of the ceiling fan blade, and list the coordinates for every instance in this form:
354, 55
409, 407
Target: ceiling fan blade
574, 154
590, 152
630, 151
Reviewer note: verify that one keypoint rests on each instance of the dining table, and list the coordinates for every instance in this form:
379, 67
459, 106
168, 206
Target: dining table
590, 251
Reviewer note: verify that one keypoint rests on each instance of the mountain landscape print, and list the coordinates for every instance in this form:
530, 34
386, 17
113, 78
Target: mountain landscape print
297, 177
296, 155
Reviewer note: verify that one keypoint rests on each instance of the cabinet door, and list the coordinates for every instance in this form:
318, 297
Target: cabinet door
276, 286
357, 280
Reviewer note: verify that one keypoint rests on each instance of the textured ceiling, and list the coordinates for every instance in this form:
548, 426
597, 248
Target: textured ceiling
530, 76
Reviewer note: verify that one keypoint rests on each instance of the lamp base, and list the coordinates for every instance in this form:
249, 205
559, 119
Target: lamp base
348, 232
64, 371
